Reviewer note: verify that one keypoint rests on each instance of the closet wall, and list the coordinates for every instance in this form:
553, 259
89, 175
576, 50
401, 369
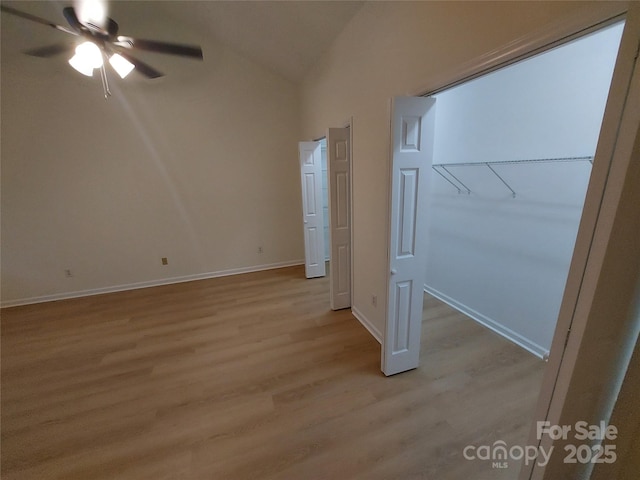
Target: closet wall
501, 259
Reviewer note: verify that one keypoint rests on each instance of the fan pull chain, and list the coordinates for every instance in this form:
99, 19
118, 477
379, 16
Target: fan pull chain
105, 82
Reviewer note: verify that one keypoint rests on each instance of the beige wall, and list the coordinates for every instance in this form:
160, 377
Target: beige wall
199, 166
402, 48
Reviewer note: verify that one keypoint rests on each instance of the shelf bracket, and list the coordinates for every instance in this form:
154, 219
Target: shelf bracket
443, 176
456, 179
513, 193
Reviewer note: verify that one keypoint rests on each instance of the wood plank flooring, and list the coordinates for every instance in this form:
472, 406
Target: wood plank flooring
250, 377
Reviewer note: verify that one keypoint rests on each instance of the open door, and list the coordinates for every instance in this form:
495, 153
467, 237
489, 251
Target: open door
412, 133
311, 177
339, 172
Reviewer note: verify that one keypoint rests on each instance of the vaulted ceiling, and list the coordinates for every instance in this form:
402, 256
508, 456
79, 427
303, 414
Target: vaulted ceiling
286, 37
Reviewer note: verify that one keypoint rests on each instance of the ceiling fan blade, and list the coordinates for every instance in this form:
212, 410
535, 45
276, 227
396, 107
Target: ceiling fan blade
33, 18
70, 14
49, 50
141, 67
193, 51
112, 27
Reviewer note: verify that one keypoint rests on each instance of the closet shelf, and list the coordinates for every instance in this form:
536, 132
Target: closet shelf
439, 168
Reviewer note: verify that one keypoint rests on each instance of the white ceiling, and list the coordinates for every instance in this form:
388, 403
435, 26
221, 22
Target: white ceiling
286, 37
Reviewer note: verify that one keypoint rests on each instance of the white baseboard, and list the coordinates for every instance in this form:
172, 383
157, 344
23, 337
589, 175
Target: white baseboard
366, 323
147, 284
491, 324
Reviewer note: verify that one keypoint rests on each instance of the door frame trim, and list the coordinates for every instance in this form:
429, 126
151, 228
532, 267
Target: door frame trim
349, 124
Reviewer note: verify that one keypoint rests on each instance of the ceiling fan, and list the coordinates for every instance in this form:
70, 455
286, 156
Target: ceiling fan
102, 42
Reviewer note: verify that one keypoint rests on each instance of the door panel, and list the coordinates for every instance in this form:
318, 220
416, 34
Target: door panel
413, 121
339, 171
311, 175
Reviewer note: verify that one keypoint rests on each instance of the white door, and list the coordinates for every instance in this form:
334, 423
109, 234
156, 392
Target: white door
412, 131
312, 217
338, 167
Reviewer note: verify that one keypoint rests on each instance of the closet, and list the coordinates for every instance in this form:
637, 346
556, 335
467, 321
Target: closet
512, 161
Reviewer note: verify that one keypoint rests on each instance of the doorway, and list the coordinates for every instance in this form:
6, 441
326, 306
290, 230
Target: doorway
612, 162
326, 179
509, 160
512, 162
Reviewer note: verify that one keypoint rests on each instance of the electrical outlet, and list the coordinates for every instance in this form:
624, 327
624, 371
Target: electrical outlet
67, 273
260, 250
165, 261
374, 300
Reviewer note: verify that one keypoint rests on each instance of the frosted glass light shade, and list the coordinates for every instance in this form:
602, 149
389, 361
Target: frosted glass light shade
121, 65
92, 11
81, 66
88, 56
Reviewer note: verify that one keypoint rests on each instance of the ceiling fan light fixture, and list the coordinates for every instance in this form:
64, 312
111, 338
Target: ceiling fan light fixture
121, 65
81, 66
99, 33
93, 12
88, 56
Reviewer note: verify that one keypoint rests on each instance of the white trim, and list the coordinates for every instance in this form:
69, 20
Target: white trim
349, 125
366, 323
491, 324
147, 284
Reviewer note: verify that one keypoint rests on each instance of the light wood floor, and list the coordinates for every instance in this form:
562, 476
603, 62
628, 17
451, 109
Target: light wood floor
250, 377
